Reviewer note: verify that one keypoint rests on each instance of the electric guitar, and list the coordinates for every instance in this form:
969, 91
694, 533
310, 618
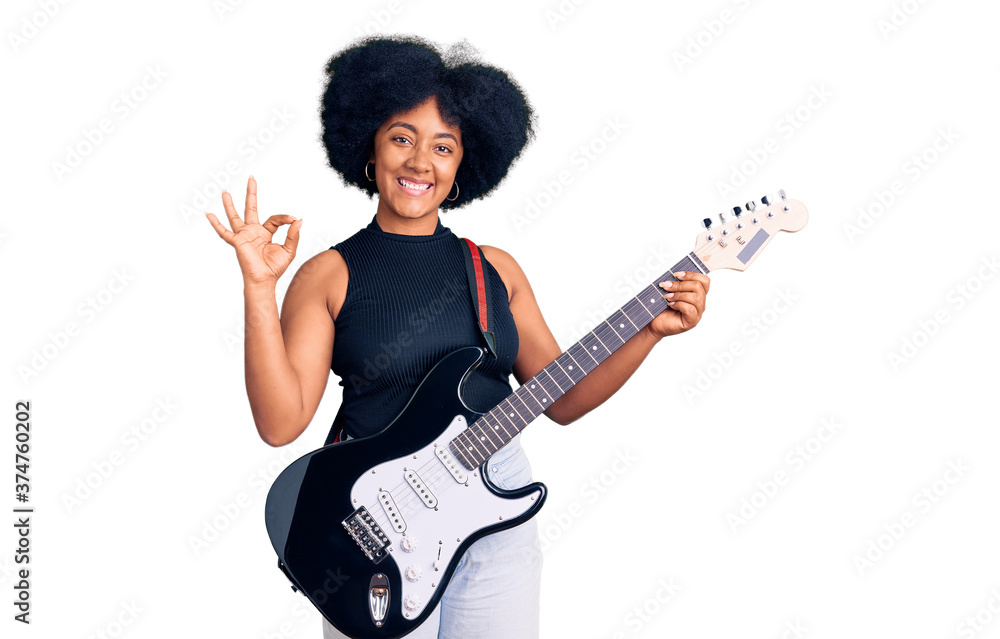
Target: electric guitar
370, 530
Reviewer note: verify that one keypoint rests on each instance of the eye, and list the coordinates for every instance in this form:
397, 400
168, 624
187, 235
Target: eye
444, 148
401, 138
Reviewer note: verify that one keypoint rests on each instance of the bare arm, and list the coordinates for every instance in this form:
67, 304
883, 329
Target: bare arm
287, 360
538, 346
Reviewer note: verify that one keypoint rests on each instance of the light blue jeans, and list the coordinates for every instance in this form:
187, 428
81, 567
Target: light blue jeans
497, 583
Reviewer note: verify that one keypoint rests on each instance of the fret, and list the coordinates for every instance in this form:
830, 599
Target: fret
467, 444
513, 413
459, 454
622, 324
643, 304
558, 377
570, 367
494, 438
528, 399
608, 337
595, 347
499, 423
580, 355
627, 311
477, 443
656, 303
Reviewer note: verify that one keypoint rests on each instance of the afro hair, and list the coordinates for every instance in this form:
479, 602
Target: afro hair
378, 76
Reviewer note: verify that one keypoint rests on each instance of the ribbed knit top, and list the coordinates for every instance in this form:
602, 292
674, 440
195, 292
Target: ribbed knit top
407, 306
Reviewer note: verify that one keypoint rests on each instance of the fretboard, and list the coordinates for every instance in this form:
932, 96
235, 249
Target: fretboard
488, 434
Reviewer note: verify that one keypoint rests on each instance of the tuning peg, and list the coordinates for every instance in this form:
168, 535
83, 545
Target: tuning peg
707, 222
722, 218
737, 211
751, 206
766, 200
781, 193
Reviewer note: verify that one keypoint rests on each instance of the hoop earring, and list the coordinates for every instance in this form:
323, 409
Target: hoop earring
370, 179
457, 191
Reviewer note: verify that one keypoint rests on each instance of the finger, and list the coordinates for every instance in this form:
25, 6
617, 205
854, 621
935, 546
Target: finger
695, 286
697, 300
234, 217
274, 222
689, 276
292, 239
220, 228
250, 207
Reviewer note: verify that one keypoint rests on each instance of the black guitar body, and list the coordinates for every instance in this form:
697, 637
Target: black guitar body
331, 506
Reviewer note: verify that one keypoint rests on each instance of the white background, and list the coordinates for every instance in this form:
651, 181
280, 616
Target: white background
122, 556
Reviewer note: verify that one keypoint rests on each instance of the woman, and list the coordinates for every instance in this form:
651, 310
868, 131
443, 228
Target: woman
426, 132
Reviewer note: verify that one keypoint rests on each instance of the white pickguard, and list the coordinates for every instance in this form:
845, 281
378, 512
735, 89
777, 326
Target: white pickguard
462, 509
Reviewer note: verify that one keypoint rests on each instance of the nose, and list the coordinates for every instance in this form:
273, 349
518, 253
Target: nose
420, 159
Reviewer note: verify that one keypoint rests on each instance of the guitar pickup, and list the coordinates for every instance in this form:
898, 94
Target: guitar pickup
367, 534
421, 488
453, 466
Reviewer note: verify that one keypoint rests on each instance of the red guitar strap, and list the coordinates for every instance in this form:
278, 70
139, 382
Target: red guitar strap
479, 289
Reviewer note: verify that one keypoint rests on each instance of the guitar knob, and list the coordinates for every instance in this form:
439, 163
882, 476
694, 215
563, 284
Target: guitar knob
707, 222
414, 573
411, 602
408, 543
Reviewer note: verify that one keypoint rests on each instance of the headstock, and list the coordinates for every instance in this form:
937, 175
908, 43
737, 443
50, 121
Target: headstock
738, 242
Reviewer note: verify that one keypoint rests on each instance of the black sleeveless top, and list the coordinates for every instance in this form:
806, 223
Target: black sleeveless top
407, 306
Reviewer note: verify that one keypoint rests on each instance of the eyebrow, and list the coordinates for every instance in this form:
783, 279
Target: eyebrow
414, 129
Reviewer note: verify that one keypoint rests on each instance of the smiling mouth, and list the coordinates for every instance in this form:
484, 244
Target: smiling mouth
413, 186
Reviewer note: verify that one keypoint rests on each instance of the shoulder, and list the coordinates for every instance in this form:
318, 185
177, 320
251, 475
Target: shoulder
508, 269
323, 277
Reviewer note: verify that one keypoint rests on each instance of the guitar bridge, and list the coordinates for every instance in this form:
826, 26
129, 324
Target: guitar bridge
367, 534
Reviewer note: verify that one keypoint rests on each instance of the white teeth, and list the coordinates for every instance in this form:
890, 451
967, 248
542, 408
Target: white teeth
411, 185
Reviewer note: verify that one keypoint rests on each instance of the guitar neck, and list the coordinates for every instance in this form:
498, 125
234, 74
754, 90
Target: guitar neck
495, 429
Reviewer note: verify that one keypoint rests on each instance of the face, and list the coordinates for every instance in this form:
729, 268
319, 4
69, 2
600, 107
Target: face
416, 155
